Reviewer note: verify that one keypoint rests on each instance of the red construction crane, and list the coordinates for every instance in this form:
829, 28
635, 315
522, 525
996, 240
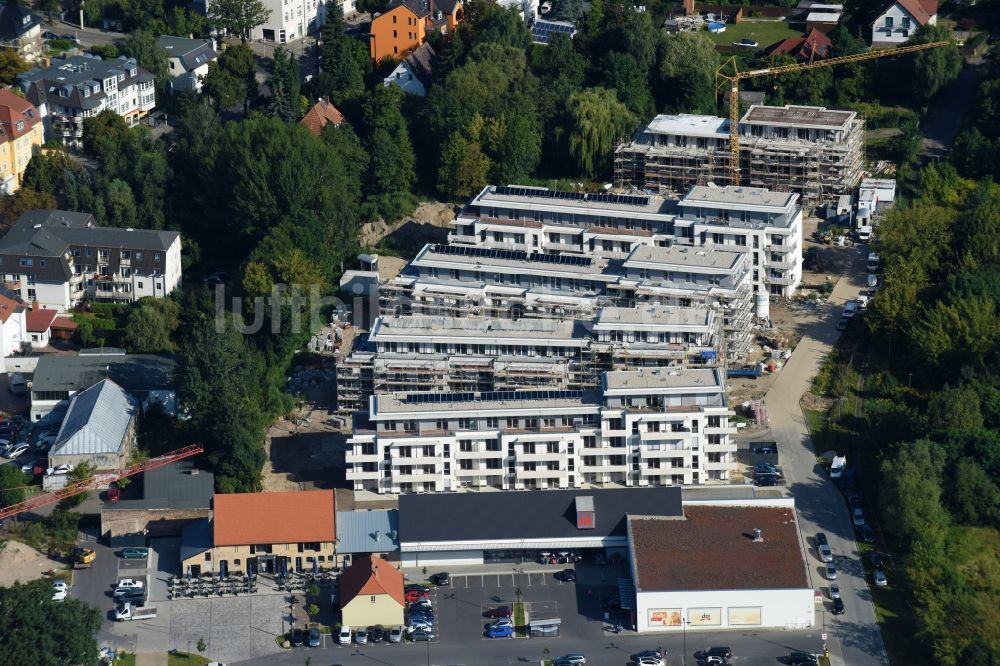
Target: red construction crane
98, 481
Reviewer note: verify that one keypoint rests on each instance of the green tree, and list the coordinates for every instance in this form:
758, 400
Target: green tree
910, 497
151, 325
12, 206
285, 85
599, 121
975, 499
48, 6
935, 68
144, 46
344, 60
104, 135
956, 408
623, 74
12, 477
463, 168
11, 66
238, 17
391, 172
687, 73
231, 80
43, 631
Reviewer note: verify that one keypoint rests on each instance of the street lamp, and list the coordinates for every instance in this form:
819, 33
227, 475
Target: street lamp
684, 627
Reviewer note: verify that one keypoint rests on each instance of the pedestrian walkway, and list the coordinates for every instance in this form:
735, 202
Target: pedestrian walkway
422, 574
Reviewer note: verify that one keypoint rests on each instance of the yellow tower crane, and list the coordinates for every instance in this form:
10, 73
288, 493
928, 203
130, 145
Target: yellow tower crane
730, 73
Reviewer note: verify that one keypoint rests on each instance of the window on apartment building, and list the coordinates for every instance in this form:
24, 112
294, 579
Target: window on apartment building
492, 422
529, 447
394, 32
31, 294
549, 422
156, 256
465, 446
494, 463
27, 262
714, 421
906, 23
372, 598
529, 467
511, 422
442, 424
888, 23
590, 442
552, 447
20, 125
467, 424
493, 445
395, 50
465, 464
394, 19
428, 451
409, 426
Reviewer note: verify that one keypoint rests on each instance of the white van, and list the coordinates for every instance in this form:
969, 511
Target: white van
864, 233
18, 386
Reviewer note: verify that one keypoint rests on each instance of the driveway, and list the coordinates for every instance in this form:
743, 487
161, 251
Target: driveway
854, 637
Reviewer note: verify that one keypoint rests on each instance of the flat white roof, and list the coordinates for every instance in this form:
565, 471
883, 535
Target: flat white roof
736, 195
649, 316
435, 327
689, 124
684, 257
823, 17
793, 115
662, 378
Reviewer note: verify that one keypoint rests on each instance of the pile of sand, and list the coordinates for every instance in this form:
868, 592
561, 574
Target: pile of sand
20, 563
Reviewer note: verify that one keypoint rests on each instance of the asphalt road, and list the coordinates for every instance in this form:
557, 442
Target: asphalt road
854, 637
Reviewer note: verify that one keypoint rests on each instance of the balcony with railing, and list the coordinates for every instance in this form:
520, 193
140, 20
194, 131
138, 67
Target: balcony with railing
358, 474
356, 456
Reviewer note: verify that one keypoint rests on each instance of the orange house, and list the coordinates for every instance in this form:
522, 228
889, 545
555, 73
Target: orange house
404, 26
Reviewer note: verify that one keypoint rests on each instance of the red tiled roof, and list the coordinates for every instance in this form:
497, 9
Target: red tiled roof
921, 10
370, 574
712, 548
63, 324
320, 115
13, 109
39, 320
263, 518
9, 306
814, 46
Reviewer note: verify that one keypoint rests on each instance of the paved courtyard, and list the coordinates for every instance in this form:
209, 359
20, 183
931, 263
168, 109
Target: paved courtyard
235, 628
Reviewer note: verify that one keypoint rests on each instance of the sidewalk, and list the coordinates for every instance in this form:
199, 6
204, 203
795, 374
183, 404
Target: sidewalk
417, 575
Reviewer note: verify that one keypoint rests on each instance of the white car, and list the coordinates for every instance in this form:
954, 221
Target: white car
872, 281
834, 591
825, 553
873, 262
16, 451
61, 469
865, 233
862, 301
344, 637
129, 584
502, 622
850, 309
59, 595
361, 636
59, 585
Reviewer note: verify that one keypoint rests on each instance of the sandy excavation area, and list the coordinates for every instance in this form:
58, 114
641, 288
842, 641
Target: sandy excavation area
20, 563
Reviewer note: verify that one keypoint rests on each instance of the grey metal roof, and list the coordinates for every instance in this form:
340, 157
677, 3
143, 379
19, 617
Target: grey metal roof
172, 487
80, 229
136, 373
374, 531
97, 421
527, 514
73, 74
193, 53
196, 538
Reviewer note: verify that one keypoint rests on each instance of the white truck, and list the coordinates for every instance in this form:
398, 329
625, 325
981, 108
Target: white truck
837, 467
126, 612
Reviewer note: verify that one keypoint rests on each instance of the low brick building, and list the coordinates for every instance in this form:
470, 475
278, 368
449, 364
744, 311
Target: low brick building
161, 502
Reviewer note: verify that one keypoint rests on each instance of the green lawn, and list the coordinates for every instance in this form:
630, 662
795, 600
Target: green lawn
765, 33
185, 659
519, 620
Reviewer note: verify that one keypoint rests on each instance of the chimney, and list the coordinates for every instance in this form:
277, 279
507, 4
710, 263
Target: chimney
586, 517
430, 8
758, 535
689, 7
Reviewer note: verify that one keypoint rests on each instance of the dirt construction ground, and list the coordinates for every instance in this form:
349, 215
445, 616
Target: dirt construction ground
20, 563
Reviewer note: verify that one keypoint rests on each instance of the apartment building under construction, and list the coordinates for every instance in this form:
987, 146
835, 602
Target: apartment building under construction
815, 152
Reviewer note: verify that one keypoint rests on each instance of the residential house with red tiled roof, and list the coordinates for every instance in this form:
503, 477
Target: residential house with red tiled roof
812, 47
371, 592
12, 322
38, 324
264, 533
21, 136
901, 19
321, 114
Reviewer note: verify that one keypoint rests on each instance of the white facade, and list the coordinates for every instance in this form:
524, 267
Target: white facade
896, 25
404, 78
646, 427
13, 333
527, 8
726, 609
293, 19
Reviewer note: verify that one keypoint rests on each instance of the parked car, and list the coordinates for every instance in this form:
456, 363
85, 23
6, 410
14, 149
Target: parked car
568, 575
717, 651
59, 595
500, 631
134, 553
746, 42
344, 637
59, 470
838, 606
825, 553
864, 233
48, 34
880, 578
821, 539
766, 480
416, 623
416, 586
876, 560
17, 383
30, 467
873, 262
424, 635
859, 517
575, 659
415, 595
441, 579
871, 281
502, 611
396, 634
376, 634
649, 661
421, 604
867, 533
361, 636
70, 38
834, 591
765, 468
843, 324
850, 309
502, 622
831, 572
298, 637
15, 451
59, 585
656, 654
801, 659
130, 582
314, 637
